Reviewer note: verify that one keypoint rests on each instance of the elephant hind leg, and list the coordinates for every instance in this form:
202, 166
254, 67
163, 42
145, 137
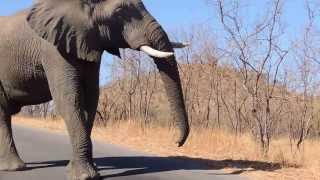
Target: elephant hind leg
9, 158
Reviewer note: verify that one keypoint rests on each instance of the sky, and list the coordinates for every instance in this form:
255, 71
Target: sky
165, 11
174, 14
182, 14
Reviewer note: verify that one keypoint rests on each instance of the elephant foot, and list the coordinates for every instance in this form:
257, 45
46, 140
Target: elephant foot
12, 164
82, 171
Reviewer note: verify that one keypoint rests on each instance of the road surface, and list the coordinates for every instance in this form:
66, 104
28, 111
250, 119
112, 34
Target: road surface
46, 155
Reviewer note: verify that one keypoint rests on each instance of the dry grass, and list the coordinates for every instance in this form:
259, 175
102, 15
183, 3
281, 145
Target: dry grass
220, 150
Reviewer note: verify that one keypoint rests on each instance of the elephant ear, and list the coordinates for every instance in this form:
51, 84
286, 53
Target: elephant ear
68, 26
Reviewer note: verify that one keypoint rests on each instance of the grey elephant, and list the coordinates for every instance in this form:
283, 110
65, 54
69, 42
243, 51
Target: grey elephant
53, 51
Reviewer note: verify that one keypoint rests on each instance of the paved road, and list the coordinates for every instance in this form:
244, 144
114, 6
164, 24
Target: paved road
47, 154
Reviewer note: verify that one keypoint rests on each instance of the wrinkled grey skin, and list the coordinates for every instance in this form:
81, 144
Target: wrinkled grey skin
53, 51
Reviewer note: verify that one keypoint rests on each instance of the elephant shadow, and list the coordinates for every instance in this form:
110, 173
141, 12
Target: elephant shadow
137, 165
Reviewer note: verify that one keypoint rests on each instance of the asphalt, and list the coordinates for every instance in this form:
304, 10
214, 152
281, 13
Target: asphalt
47, 154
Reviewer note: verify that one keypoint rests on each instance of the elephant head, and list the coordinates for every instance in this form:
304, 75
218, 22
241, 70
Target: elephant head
83, 29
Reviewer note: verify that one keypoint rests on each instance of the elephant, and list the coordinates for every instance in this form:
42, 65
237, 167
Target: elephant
53, 51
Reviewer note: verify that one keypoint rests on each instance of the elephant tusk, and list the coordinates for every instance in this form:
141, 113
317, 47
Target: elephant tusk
155, 53
179, 45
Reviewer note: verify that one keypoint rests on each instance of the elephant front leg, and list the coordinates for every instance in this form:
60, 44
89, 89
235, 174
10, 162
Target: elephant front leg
81, 165
68, 95
67, 87
9, 158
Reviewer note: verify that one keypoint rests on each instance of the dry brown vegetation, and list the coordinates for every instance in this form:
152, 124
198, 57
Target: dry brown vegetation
252, 96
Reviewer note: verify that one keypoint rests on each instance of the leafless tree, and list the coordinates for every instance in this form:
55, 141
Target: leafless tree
258, 55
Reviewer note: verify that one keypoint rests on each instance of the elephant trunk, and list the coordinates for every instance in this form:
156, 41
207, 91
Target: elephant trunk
168, 69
